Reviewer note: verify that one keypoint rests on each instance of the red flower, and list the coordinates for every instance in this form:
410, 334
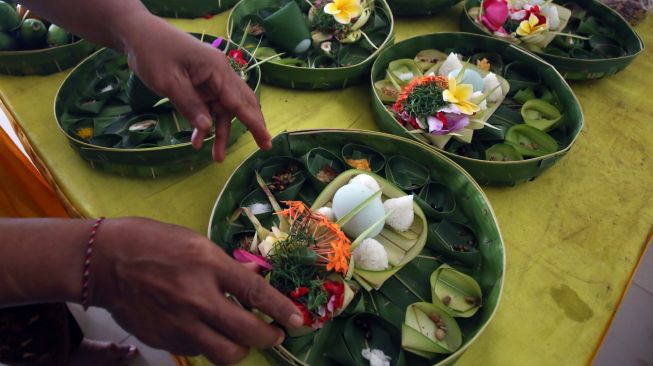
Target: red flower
238, 56
336, 292
299, 292
442, 119
305, 313
495, 14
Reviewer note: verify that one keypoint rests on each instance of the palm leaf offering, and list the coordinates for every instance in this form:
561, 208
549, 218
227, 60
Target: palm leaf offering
317, 44
359, 257
116, 123
583, 39
188, 9
501, 113
32, 45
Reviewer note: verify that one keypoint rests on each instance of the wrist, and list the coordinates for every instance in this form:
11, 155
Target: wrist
132, 27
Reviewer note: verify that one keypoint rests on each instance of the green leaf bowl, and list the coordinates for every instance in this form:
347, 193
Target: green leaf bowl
186, 8
111, 147
579, 68
44, 61
485, 172
332, 345
419, 7
298, 75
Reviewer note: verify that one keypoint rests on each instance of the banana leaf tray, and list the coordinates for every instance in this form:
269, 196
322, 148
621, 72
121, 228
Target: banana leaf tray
419, 7
96, 113
611, 33
44, 61
449, 206
340, 66
188, 9
524, 72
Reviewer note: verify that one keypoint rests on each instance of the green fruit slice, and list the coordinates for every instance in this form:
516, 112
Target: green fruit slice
58, 36
9, 19
32, 33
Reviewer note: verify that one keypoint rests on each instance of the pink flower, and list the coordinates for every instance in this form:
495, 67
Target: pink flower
244, 256
446, 123
495, 14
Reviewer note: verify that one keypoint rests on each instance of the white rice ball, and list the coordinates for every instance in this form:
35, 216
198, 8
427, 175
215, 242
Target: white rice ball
490, 82
371, 255
401, 212
367, 181
327, 212
376, 357
349, 197
452, 63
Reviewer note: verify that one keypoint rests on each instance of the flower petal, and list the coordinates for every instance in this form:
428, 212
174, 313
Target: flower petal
342, 17
331, 8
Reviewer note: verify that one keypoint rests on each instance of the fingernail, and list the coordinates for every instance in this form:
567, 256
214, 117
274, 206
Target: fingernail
296, 321
203, 122
279, 340
195, 139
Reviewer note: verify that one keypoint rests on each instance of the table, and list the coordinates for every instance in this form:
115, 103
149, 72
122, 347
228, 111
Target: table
572, 236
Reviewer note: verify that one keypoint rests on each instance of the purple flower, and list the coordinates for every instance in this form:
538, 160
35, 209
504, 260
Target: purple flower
446, 123
217, 43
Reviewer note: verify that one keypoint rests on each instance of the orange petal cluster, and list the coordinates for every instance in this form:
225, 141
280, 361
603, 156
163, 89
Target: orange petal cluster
438, 80
330, 243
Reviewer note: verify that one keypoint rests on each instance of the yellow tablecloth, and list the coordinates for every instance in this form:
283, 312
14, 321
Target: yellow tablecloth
573, 236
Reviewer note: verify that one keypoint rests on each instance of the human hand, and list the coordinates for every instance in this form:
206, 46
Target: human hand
198, 80
166, 285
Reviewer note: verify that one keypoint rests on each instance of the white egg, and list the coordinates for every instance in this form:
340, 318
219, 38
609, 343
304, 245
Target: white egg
349, 197
470, 77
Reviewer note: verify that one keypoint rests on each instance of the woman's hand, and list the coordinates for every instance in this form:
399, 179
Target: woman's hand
166, 285
196, 77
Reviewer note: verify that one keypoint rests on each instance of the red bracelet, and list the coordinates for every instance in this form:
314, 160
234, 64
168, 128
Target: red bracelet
87, 262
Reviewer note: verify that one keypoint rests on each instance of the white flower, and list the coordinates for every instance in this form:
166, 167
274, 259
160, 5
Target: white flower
367, 181
483, 104
552, 16
370, 255
450, 64
401, 212
266, 247
327, 212
376, 357
490, 82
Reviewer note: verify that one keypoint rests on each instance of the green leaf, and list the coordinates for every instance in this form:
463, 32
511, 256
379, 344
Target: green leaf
530, 142
405, 173
541, 115
419, 333
502, 152
371, 331
455, 292
437, 200
375, 159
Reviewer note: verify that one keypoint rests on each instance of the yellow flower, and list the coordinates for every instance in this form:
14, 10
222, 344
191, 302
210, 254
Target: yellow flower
530, 26
344, 10
458, 95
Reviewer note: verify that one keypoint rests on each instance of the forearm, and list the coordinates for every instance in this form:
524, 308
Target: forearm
106, 22
41, 260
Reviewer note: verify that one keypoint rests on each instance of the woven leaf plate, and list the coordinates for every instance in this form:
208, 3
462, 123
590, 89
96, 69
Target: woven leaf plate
424, 280
109, 118
537, 95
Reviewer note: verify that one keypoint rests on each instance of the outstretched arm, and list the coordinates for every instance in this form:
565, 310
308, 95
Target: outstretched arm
163, 283
197, 78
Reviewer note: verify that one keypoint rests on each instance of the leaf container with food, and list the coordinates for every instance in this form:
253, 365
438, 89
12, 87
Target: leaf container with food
188, 9
501, 113
116, 123
582, 39
316, 44
30, 45
389, 249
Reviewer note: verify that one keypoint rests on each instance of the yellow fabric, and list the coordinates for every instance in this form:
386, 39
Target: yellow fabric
23, 191
572, 236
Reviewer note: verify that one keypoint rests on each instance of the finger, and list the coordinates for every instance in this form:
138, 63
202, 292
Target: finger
242, 326
217, 347
239, 99
188, 102
222, 130
251, 289
251, 266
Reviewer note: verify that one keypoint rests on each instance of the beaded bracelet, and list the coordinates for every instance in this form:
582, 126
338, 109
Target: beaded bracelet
87, 262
